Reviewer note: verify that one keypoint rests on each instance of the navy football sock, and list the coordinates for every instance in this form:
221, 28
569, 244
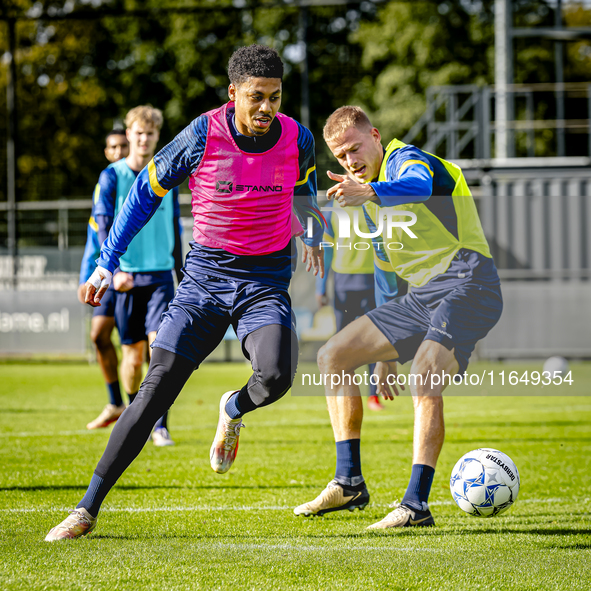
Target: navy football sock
233, 407
162, 422
419, 486
348, 470
131, 397
115, 394
373, 388
95, 495
239, 404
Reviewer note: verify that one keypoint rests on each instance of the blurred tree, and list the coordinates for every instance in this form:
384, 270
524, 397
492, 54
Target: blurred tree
414, 45
78, 76
578, 62
66, 100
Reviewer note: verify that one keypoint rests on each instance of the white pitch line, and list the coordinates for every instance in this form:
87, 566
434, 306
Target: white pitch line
308, 422
151, 509
90, 432
252, 508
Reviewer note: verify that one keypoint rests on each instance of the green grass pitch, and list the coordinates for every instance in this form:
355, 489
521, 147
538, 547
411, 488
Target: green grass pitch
172, 523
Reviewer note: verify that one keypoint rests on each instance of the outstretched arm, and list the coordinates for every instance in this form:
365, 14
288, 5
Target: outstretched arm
409, 179
167, 170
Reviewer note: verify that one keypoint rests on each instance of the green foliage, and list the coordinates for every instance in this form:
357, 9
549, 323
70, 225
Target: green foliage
578, 62
412, 46
77, 76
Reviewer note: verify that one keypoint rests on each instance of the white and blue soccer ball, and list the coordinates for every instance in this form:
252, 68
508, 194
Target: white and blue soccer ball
556, 365
484, 482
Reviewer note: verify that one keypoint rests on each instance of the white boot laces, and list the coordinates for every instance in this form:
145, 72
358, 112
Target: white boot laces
231, 433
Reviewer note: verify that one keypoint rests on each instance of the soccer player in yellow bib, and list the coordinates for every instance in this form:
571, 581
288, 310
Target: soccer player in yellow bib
351, 258
433, 239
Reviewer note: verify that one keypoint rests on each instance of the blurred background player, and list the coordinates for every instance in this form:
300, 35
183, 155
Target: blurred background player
351, 257
144, 282
117, 146
103, 318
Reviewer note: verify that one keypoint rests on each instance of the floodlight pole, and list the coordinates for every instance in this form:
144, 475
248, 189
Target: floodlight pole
559, 74
11, 148
305, 93
503, 75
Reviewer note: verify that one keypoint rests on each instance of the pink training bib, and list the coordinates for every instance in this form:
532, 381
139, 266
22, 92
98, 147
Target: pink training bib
242, 202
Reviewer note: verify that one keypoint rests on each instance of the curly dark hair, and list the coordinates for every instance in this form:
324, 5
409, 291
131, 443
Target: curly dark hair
256, 61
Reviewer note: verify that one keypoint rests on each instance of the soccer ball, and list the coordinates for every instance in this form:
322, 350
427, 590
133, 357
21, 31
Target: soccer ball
484, 482
556, 365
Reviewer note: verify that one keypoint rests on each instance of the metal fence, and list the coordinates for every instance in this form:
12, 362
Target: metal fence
538, 224
459, 122
537, 221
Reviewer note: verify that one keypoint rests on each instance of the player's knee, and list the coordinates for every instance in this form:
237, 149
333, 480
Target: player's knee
134, 356
101, 338
328, 357
131, 365
150, 400
432, 369
420, 381
165, 379
276, 381
135, 363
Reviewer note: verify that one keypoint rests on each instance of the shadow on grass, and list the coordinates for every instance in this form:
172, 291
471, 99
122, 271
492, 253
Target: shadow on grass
474, 440
509, 424
579, 546
537, 531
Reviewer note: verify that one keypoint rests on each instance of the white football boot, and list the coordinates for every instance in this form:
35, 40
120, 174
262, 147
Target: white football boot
79, 523
335, 497
108, 415
404, 516
225, 444
161, 437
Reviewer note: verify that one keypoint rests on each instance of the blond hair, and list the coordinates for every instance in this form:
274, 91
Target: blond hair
144, 114
342, 119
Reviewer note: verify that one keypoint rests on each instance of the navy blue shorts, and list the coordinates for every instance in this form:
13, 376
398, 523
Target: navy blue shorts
204, 306
107, 307
354, 296
456, 309
138, 311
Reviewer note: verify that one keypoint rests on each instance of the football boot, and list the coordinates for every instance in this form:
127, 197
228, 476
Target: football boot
225, 444
109, 415
404, 516
336, 497
79, 523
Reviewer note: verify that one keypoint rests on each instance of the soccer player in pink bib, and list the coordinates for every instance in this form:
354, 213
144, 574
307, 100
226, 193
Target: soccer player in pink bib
252, 176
